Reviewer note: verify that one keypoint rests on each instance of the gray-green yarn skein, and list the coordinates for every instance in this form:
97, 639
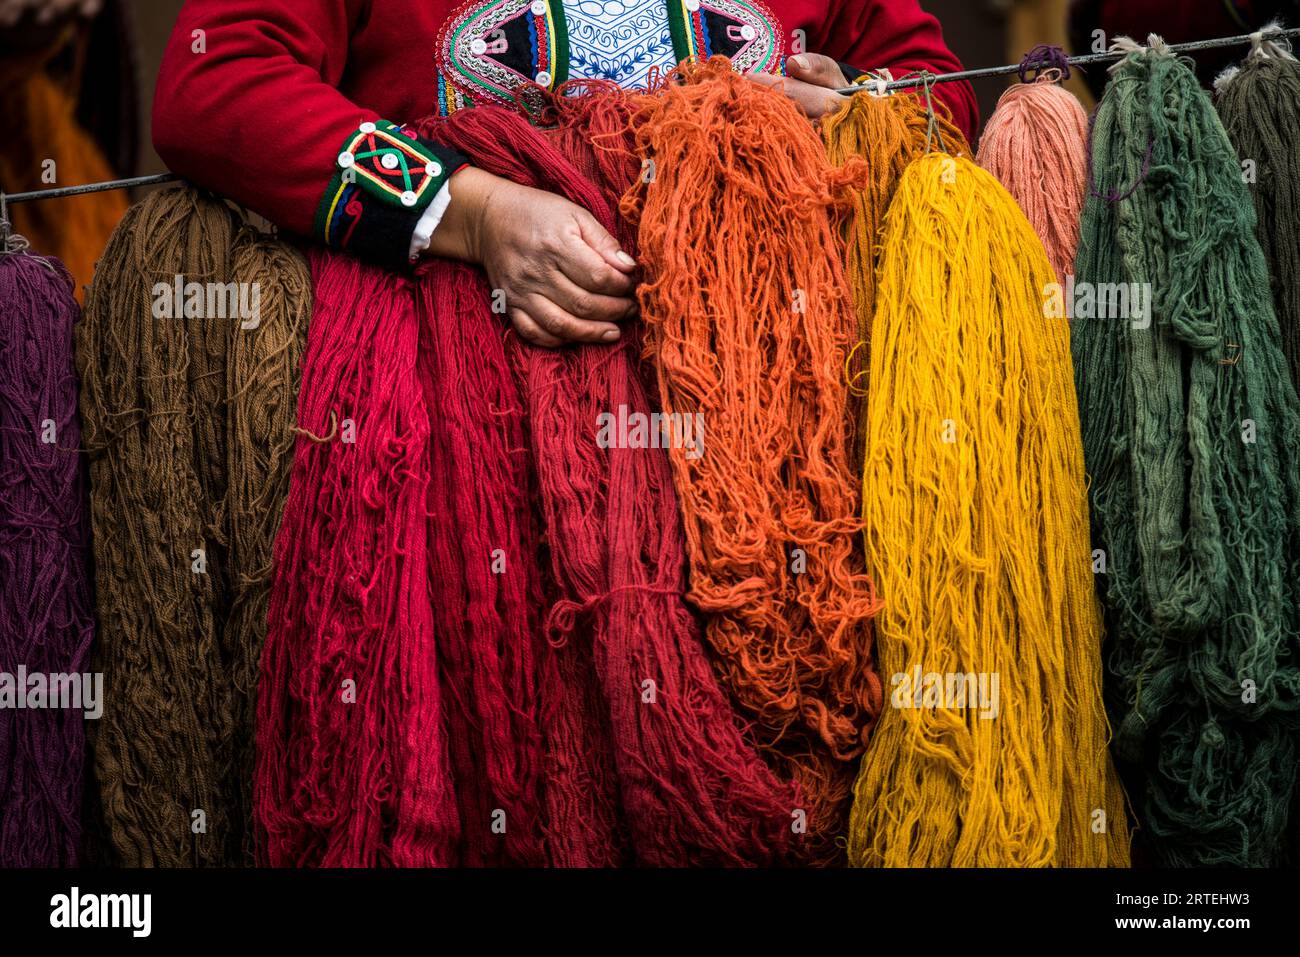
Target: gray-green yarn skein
1259, 104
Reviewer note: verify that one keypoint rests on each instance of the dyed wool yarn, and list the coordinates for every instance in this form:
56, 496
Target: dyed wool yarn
170, 402
149, 406
528, 743
352, 763
748, 320
46, 625
888, 132
691, 790
1036, 144
992, 748
411, 563
503, 681
41, 125
1259, 104
1192, 438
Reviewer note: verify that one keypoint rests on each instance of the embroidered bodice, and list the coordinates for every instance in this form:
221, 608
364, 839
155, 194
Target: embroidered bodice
488, 50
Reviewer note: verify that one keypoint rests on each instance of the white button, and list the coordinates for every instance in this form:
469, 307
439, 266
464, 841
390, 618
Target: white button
692, 5
478, 47
409, 198
544, 78
747, 32
368, 128
389, 161
539, 7
346, 159
433, 169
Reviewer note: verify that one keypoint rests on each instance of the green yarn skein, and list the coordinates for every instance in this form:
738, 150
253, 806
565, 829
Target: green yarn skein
1191, 431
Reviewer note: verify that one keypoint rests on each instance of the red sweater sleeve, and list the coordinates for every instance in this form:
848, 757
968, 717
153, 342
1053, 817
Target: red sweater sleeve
247, 104
896, 35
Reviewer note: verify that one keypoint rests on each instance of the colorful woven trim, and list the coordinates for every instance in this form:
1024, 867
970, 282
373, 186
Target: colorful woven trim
384, 178
743, 30
489, 50
450, 97
391, 164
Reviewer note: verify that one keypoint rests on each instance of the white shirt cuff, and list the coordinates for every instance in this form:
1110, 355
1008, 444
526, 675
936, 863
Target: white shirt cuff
429, 221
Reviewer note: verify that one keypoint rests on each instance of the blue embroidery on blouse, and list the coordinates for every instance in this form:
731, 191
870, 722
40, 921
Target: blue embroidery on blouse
619, 40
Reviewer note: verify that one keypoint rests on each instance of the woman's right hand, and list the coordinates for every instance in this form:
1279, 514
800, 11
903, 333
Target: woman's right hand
563, 276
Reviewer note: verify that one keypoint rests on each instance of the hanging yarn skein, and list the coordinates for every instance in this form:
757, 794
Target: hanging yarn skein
976, 534
149, 406
46, 624
352, 765
749, 322
1036, 144
180, 384
889, 132
1259, 104
1192, 437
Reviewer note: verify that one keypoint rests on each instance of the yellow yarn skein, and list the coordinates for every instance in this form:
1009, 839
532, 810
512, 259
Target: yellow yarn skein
976, 531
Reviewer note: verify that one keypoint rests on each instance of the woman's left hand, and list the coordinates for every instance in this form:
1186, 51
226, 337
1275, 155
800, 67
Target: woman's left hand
811, 83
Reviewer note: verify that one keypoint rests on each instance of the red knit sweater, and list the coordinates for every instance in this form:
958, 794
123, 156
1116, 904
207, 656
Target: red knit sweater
264, 101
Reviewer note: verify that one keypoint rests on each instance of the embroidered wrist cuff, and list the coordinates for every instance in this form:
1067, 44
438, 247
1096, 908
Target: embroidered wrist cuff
384, 178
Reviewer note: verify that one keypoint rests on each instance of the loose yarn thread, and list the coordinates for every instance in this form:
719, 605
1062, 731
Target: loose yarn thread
1046, 60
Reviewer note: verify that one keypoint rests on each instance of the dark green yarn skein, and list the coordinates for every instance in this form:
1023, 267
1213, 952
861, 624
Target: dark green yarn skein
1191, 434
1259, 104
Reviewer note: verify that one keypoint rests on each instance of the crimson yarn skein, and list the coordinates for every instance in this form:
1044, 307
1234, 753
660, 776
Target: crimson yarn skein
352, 767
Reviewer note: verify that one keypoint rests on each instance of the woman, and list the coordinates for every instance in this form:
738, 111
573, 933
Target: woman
284, 106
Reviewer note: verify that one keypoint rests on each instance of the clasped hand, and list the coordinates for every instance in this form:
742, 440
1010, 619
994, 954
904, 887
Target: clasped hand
563, 276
